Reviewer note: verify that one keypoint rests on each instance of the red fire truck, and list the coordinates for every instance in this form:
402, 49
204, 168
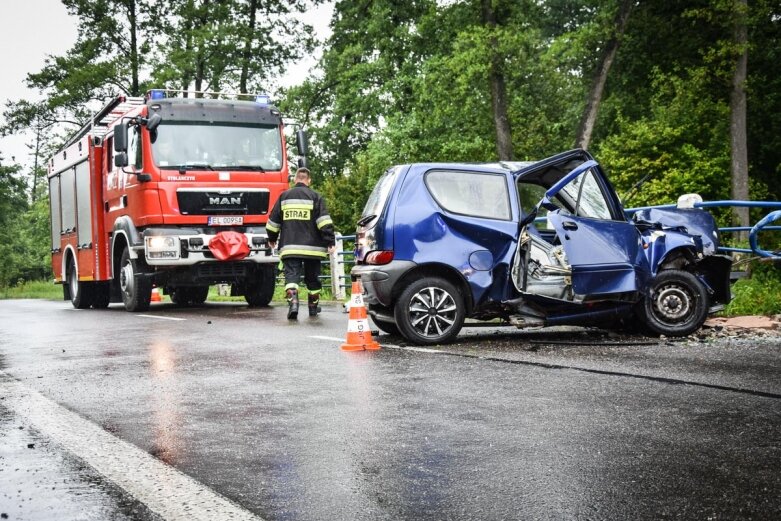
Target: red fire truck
168, 192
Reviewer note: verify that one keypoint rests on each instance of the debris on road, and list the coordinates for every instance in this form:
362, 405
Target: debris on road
750, 322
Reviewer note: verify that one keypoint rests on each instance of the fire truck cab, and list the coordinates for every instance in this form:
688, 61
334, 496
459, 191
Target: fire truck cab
168, 192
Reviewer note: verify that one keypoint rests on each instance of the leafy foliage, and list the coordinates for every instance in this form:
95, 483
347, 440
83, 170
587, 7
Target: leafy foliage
414, 80
758, 295
24, 231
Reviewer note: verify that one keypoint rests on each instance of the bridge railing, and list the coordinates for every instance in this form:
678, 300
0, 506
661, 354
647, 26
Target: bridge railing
761, 225
338, 266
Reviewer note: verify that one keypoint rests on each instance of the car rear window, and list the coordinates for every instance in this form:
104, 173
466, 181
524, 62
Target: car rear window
470, 193
379, 196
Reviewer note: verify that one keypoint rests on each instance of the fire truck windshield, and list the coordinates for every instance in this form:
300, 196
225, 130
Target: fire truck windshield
217, 146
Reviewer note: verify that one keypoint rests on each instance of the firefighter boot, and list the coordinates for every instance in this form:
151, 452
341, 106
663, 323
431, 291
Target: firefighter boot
313, 301
292, 304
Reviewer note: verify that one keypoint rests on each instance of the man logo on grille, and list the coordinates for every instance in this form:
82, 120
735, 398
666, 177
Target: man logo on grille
224, 200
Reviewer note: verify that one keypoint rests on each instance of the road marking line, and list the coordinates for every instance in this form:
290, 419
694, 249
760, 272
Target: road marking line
163, 489
418, 349
327, 338
161, 318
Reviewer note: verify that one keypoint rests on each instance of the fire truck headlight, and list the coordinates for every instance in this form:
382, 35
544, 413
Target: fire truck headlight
161, 247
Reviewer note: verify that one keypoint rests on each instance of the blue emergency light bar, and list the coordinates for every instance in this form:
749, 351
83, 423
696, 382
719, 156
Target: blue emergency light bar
158, 94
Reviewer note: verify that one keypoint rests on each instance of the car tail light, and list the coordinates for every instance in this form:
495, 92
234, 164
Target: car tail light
378, 257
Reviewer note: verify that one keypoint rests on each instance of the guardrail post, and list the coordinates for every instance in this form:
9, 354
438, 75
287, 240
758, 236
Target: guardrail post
337, 269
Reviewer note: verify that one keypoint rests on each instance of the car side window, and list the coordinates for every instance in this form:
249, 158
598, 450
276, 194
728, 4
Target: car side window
586, 197
529, 195
470, 193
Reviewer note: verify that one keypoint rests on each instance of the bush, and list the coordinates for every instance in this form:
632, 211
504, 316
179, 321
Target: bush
42, 289
758, 295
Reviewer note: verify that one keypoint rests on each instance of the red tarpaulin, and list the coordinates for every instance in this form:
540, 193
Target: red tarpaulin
229, 246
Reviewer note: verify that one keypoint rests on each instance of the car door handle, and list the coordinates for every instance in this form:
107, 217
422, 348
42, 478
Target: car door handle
569, 225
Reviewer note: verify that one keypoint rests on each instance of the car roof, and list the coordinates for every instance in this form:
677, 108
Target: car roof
507, 166
520, 168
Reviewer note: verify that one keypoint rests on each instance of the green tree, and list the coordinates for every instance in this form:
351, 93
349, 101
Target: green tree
244, 45
13, 205
368, 66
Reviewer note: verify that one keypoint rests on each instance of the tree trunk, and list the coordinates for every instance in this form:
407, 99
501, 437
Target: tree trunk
36, 161
187, 69
134, 58
589, 118
201, 49
246, 53
504, 144
738, 134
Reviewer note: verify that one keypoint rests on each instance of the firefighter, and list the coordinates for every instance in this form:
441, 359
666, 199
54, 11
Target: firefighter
300, 221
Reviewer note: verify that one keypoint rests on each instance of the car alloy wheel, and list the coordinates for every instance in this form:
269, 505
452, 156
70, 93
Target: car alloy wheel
429, 311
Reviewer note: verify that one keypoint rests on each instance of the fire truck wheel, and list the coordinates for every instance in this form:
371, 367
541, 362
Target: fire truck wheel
189, 296
136, 291
260, 291
101, 295
81, 296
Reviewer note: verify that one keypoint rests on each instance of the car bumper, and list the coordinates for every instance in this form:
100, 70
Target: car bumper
378, 281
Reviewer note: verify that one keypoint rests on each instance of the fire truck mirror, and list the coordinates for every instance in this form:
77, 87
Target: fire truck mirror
302, 143
120, 159
120, 137
153, 121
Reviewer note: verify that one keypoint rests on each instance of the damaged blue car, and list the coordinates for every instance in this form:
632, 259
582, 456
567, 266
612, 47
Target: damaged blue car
530, 244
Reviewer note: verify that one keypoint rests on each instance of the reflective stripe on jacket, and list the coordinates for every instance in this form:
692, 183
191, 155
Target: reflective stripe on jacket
300, 224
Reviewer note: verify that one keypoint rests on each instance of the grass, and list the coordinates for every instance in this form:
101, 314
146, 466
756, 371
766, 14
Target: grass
758, 295
47, 290
40, 289
279, 294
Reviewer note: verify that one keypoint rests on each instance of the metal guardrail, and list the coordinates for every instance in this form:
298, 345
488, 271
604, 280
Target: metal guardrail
340, 281
341, 258
761, 225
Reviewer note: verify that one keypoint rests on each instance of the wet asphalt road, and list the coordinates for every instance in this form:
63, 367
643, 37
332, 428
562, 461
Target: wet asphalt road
275, 419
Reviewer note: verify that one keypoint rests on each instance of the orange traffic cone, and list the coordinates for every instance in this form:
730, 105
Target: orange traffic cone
359, 336
156, 295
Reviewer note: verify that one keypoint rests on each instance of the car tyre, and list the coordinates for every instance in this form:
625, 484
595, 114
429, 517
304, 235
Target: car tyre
676, 304
136, 291
385, 326
430, 311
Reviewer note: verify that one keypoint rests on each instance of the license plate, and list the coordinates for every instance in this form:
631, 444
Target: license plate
225, 220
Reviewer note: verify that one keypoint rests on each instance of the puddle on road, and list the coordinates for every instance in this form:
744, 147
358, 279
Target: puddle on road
40, 482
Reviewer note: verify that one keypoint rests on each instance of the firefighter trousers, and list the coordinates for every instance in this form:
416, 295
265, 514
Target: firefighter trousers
296, 267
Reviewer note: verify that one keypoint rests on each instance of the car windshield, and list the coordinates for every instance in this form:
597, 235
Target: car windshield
217, 146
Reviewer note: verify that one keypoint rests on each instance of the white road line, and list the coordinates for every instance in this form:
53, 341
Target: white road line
327, 338
161, 318
166, 491
418, 349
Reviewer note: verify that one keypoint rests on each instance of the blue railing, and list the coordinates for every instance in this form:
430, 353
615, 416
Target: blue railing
344, 258
761, 225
